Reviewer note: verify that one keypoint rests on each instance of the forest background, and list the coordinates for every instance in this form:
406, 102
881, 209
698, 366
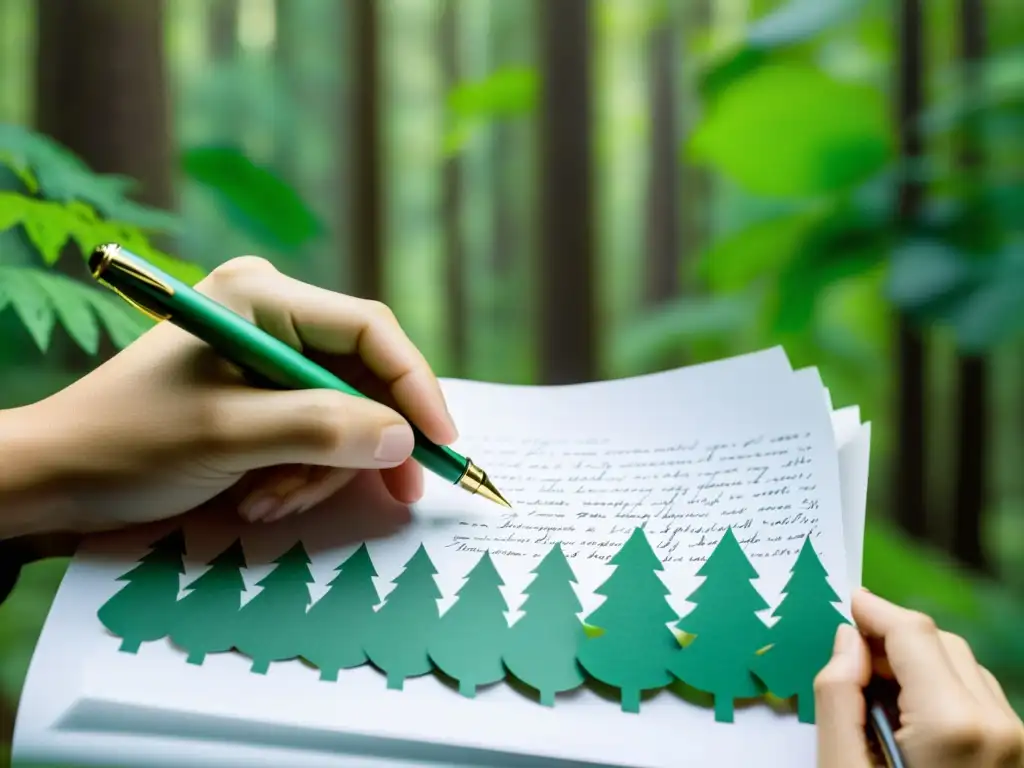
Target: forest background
551, 192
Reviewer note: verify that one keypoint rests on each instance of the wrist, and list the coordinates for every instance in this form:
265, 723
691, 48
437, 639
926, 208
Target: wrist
32, 500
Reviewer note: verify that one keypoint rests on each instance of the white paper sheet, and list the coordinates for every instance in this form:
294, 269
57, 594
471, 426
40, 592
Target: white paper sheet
87, 704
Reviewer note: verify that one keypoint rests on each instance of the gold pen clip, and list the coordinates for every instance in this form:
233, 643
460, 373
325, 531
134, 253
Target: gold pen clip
109, 256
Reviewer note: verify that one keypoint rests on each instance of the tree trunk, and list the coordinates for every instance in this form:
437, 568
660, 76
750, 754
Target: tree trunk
566, 292
909, 480
285, 138
101, 88
696, 187
451, 203
101, 91
223, 30
367, 221
973, 436
663, 248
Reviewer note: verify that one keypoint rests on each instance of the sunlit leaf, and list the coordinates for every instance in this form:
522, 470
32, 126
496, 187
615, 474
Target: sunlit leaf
48, 226
266, 206
12, 209
790, 131
505, 92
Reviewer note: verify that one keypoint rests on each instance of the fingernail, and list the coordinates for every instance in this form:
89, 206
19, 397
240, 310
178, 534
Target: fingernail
288, 485
257, 506
396, 444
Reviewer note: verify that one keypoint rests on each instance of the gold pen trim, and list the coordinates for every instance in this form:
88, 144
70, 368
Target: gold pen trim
108, 256
475, 480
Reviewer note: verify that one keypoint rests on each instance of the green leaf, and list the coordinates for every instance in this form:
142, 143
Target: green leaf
793, 131
31, 304
63, 177
503, 93
672, 327
12, 209
263, 203
923, 272
71, 301
763, 248
48, 226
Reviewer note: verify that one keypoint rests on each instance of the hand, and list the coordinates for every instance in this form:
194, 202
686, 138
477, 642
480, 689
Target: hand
165, 425
952, 710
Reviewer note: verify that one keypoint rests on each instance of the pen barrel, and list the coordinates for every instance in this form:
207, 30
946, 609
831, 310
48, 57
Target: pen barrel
266, 360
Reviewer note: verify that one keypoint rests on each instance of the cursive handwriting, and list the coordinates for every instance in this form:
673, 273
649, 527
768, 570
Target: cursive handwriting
591, 495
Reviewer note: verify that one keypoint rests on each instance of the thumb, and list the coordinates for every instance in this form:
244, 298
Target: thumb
840, 705
256, 428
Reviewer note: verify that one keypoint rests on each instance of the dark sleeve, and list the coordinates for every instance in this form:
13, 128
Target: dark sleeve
12, 557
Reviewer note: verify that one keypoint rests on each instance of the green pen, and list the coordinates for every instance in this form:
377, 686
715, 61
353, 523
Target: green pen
267, 360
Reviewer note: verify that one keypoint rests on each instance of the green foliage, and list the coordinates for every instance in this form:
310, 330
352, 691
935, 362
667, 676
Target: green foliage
503, 94
257, 200
771, 134
62, 203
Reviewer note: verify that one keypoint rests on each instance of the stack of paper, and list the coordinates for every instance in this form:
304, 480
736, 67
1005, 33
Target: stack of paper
680, 550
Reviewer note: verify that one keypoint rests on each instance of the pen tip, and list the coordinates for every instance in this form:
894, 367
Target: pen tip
488, 491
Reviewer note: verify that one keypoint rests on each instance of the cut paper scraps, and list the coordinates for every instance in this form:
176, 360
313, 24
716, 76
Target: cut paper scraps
266, 624
397, 642
206, 619
804, 634
338, 624
467, 642
727, 629
541, 646
635, 647
729, 651
142, 611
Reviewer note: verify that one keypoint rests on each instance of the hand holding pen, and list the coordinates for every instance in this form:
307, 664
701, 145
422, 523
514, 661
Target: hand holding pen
952, 712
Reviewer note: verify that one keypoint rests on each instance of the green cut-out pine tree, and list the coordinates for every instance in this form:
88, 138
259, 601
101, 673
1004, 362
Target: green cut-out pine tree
803, 637
635, 647
397, 640
542, 644
468, 642
144, 609
337, 625
728, 630
272, 624
207, 616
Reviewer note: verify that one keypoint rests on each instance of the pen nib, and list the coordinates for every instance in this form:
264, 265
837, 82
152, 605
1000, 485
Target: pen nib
475, 480
488, 491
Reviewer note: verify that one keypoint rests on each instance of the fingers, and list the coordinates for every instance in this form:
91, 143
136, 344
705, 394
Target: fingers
404, 482
913, 648
244, 428
839, 702
305, 316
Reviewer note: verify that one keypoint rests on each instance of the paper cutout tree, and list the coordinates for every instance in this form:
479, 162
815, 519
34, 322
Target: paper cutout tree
338, 623
468, 642
397, 640
271, 625
803, 637
541, 646
143, 610
636, 646
727, 628
206, 619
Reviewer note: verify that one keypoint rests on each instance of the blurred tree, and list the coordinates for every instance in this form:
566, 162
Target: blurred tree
451, 202
909, 504
661, 281
223, 30
363, 146
566, 294
101, 88
973, 435
285, 39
